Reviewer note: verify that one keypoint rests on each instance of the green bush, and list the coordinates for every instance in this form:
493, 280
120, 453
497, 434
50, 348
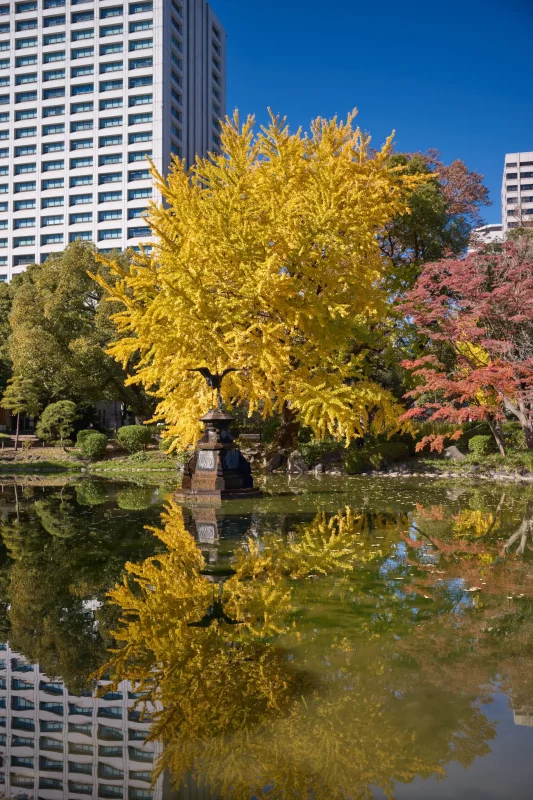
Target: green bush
134, 498
134, 438
355, 462
480, 446
64, 443
375, 456
316, 449
81, 435
57, 421
514, 436
94, 445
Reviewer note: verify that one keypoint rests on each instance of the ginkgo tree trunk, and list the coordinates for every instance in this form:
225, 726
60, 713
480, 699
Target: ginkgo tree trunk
266, 260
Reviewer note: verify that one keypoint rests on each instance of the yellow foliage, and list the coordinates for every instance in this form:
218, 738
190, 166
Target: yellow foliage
266, 261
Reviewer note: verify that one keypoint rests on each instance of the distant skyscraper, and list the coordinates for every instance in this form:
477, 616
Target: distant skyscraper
517, 191
88, 88
484, 235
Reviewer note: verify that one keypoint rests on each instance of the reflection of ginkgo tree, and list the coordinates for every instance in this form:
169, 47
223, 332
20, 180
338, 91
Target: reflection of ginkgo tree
281, 705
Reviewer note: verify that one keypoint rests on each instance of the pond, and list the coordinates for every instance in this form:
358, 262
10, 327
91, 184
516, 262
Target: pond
338, 638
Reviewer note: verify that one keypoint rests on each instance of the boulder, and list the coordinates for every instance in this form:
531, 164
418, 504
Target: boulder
296, 464
274, 462
453, 453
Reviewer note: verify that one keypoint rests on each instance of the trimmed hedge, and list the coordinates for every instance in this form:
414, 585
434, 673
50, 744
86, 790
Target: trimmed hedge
134, 438
480, 446
93, 445
375, 456
81, 435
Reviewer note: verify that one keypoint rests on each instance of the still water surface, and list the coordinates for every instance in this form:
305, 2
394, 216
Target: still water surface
340, 638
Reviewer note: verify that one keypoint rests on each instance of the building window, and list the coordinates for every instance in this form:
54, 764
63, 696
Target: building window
115, 158
143, 25
24, 205
50, 22
77, 163
110, 122
53, 111
82, 88
81, 180
110, 141
81, 16
26, 24
81, 108
139, 194
48, 725
53, 3
78, 36
82, 52
114, 11
52, 94
81, 72
28, 113
27, 77
78, 200
115, 102
22, 133
111, 233
21, 44
54, 75
135, 233
110, 177
53, 38
24, 222
80, 788
84, 125
111, 66
142, 80
26, 97
141, 100
50, 130
141, 44
53, 147
111, 30
140, 119
47, 743
75, 219
111, 86
48, 166
23, 61
139, 155
53, 183
107, 49
110, 197
141, 63
52, 202
141, 8
81, 144
58, 219
106, 216
22, 241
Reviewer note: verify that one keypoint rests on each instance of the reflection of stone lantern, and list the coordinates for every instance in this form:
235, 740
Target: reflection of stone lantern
218, 469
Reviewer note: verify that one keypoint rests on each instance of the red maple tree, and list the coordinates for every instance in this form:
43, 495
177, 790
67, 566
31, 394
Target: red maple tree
476, 316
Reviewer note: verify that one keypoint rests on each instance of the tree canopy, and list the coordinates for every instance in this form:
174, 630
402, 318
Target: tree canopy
266, 261
477, 316
59, 329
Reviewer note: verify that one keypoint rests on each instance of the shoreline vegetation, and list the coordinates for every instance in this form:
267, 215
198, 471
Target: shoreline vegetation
155, 466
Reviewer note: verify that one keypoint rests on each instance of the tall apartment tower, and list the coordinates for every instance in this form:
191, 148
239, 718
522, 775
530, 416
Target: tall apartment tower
517, 191
88, 88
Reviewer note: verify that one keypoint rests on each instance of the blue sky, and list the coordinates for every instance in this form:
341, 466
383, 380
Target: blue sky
454, 75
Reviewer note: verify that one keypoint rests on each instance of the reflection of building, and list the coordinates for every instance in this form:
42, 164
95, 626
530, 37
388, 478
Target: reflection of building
523, 718
56, 745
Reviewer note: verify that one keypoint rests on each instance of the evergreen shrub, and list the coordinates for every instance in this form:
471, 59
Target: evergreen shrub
93, 446
480, 446
134, 438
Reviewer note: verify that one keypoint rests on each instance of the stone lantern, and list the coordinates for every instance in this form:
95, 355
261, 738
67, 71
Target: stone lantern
218, 469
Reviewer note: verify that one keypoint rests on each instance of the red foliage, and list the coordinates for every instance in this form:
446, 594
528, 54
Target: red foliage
477, 314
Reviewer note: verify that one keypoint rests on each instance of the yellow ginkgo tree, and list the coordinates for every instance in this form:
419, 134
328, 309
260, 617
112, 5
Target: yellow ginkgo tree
266, 261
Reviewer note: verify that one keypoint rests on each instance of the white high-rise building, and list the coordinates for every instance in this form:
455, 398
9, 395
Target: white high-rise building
88, 88
517, 191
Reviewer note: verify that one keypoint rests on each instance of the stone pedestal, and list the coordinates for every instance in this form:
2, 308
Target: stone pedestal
217, 470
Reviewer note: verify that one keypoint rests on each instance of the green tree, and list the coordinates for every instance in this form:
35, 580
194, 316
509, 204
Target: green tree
5, 308
442, 213
57, 421
20, 397
60, 330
